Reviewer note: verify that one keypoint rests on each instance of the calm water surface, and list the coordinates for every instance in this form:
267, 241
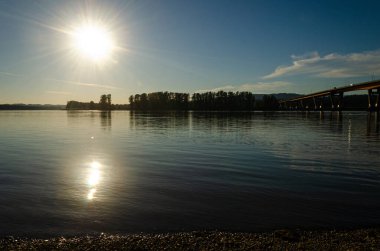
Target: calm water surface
70, 172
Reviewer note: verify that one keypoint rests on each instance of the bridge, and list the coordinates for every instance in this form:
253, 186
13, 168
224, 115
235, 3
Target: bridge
336, 97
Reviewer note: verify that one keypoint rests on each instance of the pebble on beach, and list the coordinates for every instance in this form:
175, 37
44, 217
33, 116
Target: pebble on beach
363, 239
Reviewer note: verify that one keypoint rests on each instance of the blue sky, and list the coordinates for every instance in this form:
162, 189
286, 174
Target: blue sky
186, 46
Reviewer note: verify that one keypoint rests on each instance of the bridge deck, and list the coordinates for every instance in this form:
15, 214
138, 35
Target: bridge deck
348, 88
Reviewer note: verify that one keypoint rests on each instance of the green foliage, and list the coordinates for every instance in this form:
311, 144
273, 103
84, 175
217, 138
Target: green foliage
223, 101
75, 105
218, 101
104, 104
208, 101
199, 101
270, 102
160, 101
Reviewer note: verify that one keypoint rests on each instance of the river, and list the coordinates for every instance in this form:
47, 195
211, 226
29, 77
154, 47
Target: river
85, 172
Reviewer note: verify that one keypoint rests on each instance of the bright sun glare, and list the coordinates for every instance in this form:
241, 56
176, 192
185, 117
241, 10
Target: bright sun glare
94, 175
93, 41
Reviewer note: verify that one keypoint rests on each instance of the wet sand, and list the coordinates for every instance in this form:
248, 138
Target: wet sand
360, 239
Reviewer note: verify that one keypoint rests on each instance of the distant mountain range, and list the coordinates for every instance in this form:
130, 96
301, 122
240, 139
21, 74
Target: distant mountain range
279, 96
31, 107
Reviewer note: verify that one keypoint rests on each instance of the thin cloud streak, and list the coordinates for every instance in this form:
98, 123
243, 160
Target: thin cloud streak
85, 84
256, 88
10, 74
58, 92
109, 87
332, 65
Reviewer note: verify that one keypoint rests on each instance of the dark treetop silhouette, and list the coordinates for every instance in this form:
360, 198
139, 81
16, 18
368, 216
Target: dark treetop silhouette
104, 104
208, 101
215, 101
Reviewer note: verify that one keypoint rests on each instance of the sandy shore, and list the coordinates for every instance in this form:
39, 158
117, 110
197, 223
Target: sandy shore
360, 239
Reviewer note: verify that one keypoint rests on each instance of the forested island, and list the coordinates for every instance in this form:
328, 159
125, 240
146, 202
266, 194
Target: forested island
244, 101
208, 101
105, 103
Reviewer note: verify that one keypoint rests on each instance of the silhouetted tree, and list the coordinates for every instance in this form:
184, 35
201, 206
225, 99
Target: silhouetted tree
75, 105
92, 105
221, 100
270, 102
144, 101
132, 102
109, 101
199, 101
104, 105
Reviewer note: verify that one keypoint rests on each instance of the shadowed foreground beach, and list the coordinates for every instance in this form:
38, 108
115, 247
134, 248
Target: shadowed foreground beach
362, 239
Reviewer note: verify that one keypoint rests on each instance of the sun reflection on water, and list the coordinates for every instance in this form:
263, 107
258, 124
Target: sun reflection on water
93, 179
94, 175
90, 195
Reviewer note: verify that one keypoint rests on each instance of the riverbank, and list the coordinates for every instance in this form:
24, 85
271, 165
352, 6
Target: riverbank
360, 239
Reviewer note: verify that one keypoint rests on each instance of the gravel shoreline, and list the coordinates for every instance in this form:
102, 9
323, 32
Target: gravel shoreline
359, 239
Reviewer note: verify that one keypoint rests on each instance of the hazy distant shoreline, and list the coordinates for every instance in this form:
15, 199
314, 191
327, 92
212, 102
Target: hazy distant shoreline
31, 107
353, 103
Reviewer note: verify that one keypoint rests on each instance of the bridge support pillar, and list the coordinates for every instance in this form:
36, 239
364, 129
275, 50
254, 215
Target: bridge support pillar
315, 104
370, 100
332, 100
340, 101
336, 100
377, 103
284, 106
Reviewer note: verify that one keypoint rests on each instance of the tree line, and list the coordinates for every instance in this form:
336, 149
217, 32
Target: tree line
105, 103
221, 100
209, 101
159, 101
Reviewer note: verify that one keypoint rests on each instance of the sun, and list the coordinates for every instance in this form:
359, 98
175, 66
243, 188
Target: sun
93, 41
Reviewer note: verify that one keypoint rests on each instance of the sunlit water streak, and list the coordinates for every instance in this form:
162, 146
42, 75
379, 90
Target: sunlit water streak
87, 171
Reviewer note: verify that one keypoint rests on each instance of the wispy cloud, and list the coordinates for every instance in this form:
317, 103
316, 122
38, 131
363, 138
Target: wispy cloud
58, 92
332, 65
110, 87
11, 74
259, 87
